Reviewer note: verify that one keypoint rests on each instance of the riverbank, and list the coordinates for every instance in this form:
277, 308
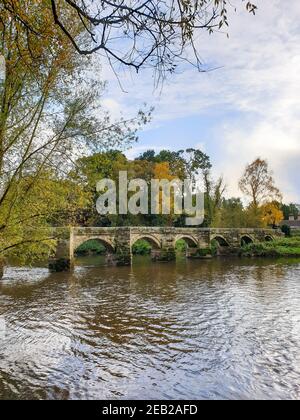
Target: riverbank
285, 247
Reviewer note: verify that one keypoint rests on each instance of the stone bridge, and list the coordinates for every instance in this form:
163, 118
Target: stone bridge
119, 241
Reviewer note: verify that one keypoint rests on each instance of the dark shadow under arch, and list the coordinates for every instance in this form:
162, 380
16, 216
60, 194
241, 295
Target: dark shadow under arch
221, 242
145, 245
269, 238
153, 242
246, 240
94, 246
190, 242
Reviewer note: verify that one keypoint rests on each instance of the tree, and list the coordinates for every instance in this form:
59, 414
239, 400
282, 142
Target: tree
258, 184
290, 210
33, 205
195, 165
271, 214
167, 165
182, 163
214, 192
149, 156
231, 214
177, 163
197, 162
47, 118
162, 171
254, 217
133, 33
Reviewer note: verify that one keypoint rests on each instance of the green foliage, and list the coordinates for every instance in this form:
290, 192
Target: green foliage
204, 252
91, 247
166, 164
286, 230
141, 247
214, 247
28, 210
233, 214
214, 191
288, 247
181, 246
47, 116
230, 214
183, 163
290, 210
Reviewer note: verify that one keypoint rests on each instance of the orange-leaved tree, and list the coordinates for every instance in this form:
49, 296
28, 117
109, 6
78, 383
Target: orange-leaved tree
271, 214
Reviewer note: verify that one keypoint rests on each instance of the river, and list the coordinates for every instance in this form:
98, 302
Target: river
218, 329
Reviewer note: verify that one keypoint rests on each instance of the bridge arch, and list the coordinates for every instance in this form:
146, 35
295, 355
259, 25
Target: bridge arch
109, 246
246, 240
221, 241
152, 240
269, 238
191, 241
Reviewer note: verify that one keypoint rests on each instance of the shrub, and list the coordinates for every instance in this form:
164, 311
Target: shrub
214, 247
286, 230
91, 247
141, 247
286, 247
204, 252
181, 246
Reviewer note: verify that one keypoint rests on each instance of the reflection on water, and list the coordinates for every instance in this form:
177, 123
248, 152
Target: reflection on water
191, 329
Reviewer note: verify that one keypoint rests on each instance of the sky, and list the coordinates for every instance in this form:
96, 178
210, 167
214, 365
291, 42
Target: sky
248, 107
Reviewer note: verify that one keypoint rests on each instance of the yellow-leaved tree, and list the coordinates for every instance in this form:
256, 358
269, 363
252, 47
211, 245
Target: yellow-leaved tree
161, 171
271, 214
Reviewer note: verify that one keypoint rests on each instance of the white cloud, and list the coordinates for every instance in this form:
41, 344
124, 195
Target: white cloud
259, 82
267, 141
113, 106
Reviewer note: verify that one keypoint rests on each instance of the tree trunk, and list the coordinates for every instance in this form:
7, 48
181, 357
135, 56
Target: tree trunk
2, 265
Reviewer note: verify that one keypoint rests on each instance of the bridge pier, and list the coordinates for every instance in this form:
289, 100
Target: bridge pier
199, 253
203, 249
165, 254
63, 259
123, 252
236, 241
167, 251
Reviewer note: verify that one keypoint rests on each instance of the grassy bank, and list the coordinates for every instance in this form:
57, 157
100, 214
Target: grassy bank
286, 247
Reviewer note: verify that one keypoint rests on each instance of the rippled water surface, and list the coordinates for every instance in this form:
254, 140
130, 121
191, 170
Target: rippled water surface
199, 329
